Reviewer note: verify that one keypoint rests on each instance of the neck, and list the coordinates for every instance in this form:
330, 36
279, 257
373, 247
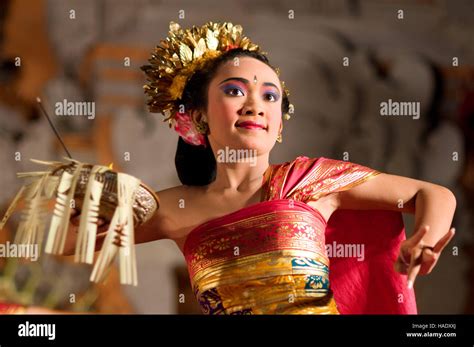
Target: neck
240, 176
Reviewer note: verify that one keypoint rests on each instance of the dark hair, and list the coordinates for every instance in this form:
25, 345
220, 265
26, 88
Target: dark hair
196, 165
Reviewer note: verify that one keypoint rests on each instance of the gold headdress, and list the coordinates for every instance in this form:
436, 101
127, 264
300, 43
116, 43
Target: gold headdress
175, 60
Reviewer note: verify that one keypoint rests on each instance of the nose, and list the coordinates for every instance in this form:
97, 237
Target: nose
252, 108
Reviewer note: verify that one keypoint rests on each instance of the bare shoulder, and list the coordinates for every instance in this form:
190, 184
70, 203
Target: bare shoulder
171, 193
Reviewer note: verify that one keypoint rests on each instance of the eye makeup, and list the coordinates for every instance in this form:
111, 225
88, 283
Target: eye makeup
270, 90
227, 88
246, 82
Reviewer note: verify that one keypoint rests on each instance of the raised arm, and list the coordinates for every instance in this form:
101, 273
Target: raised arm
432, 204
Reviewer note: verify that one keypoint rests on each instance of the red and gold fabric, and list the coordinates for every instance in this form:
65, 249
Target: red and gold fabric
270, 257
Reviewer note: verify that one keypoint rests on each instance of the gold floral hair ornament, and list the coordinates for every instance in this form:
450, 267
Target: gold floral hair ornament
177, 58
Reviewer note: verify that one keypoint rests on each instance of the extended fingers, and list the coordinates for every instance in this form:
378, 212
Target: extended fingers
443, 242
429, 258
418, 236
415, 265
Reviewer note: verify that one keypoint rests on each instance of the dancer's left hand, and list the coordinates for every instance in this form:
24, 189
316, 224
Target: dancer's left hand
416, 258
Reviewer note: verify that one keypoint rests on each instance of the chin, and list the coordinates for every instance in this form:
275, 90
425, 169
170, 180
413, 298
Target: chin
258, 144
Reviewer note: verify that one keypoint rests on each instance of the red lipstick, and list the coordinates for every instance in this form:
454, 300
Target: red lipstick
250, 125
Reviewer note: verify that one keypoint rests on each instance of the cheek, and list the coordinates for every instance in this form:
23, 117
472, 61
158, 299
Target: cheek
223, 111
275, 119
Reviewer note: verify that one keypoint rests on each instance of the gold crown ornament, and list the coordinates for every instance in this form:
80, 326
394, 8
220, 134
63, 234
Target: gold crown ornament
177, 58
97, 191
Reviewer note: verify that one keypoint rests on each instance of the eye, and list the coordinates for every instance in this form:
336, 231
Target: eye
271, 97
233, 91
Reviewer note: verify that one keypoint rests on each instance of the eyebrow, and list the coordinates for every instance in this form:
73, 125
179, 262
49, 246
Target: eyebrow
246, 81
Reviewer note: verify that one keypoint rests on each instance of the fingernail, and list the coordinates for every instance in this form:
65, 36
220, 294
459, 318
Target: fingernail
410, 284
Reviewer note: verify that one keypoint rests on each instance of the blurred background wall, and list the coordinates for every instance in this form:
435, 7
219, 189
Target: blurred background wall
339, 58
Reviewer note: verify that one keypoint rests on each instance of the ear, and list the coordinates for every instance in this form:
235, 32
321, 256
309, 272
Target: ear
197, 116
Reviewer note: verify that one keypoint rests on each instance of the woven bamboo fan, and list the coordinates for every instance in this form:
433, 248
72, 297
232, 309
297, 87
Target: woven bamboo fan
96, 191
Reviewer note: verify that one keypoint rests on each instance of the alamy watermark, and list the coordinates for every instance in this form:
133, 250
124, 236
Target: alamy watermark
13, 250
28, 329
400, 108
75, 108
230, 155
345, 250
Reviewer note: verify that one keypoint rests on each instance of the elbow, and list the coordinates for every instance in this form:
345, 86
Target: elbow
441, 196
448, 197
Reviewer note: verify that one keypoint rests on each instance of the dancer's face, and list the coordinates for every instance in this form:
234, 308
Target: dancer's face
244, 106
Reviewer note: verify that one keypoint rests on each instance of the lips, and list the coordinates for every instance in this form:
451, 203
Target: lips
250, 125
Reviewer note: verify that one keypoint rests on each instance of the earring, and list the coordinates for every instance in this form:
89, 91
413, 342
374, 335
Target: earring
279, 138
202, 126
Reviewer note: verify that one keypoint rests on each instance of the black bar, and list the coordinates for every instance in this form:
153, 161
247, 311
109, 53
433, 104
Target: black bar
296, 330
